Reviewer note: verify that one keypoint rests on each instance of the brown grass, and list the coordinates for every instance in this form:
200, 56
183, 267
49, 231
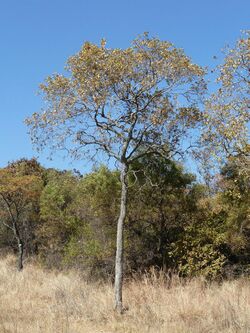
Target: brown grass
38, 301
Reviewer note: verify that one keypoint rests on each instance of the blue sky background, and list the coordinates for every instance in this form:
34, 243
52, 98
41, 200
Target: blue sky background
37, 36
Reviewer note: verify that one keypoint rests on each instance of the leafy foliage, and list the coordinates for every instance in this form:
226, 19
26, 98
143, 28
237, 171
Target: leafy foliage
20, 188
226, 121
173, 223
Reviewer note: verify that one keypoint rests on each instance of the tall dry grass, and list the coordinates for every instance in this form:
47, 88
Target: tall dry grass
39, 301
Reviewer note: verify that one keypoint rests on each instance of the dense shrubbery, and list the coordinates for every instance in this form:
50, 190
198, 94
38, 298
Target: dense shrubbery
173, 222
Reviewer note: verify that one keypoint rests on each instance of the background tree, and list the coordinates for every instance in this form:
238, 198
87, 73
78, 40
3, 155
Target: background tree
57, 215
92, 242
226, 143
234, 195
227, 116
19, 194
160, 206
116, 101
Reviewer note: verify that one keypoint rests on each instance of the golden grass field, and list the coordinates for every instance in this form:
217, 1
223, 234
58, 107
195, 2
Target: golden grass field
36, 300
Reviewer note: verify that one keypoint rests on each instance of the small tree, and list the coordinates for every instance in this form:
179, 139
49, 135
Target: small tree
57, 216
116, 101
18, 192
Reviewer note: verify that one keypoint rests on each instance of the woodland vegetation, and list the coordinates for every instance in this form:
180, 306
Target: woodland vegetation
66, 219
146, 108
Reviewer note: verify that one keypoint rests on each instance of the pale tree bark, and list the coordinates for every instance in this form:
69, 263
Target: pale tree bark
20, 255
19, 245
120, 239
14, 227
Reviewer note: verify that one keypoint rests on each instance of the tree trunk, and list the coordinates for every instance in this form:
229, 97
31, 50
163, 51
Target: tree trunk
20, 255
119, 241
19, 245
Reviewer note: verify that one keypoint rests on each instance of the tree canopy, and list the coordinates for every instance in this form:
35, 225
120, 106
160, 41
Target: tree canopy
227, 110
116, 100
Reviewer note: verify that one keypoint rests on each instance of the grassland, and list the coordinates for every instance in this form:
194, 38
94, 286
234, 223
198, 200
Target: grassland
40, 301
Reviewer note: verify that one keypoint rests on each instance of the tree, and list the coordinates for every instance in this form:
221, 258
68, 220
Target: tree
19, 192
227, 116
235, 197
116, 101
159, 207
96, 207
57, 216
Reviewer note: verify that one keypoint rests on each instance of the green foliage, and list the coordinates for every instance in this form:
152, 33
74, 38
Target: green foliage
199, 249
83, 246
100, 192
218, 237
158, 210
235, 198
92, 242
58, 218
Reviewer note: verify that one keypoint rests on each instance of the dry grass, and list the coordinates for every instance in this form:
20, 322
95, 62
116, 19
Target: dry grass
37, 301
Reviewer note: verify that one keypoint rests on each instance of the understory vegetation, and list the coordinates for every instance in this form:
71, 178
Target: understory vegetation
174, 223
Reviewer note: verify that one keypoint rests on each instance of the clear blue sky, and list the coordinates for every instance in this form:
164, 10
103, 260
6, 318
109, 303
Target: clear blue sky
37, 36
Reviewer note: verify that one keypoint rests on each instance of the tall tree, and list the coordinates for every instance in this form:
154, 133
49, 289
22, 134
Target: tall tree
116, 101
227, 116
